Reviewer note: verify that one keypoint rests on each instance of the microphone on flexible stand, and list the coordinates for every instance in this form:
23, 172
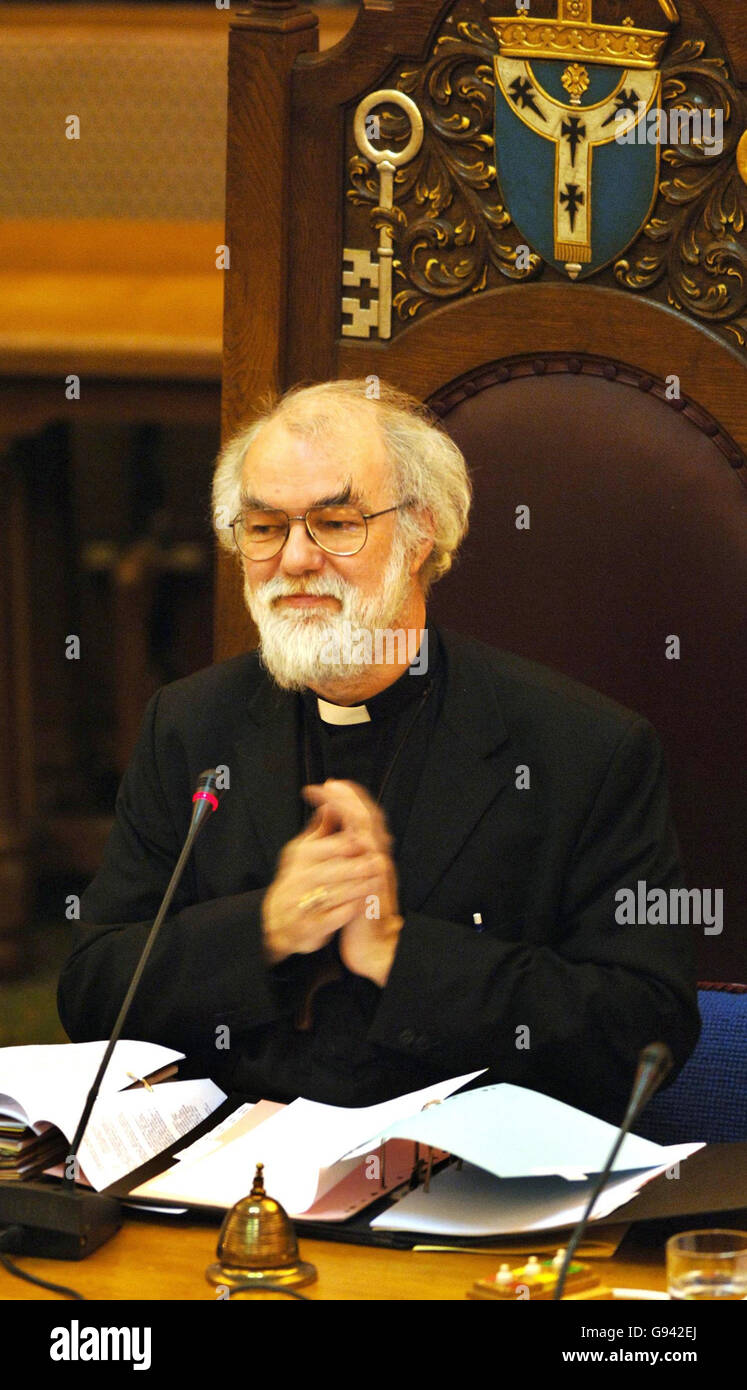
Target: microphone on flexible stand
654, 1063
65, 1222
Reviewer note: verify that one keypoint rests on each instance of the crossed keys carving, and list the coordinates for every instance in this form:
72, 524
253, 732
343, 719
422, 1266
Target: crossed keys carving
360, 265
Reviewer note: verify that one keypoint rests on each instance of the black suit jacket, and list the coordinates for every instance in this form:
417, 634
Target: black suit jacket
551, 992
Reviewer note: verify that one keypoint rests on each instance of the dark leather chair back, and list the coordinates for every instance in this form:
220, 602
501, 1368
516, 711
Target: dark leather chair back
627, 576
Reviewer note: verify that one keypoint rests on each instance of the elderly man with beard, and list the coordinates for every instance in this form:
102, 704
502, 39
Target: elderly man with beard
413, 872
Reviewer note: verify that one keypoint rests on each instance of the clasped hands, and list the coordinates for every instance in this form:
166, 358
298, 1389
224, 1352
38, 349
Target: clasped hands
337, 876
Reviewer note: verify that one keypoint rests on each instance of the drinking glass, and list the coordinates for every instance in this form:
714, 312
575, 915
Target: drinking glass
707, 1265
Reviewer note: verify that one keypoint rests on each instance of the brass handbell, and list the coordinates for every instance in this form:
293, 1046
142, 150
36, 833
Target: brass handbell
257, 1244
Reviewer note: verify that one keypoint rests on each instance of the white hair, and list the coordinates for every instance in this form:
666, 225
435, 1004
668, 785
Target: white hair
428, 470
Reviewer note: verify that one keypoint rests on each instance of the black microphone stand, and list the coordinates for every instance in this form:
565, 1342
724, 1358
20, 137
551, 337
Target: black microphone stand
62, 1221
653, 1064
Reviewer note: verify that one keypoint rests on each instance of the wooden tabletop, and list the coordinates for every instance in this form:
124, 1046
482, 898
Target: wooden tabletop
153, 1260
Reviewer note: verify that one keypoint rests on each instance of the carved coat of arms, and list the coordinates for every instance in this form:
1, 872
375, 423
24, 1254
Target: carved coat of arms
575, 94
580, 137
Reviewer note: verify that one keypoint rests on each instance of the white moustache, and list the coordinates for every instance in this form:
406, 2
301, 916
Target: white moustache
330, 586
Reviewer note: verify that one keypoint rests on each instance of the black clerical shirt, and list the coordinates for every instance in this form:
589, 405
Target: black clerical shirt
384, 754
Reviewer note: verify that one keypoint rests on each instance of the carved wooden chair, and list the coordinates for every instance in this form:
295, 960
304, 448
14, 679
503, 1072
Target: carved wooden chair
583, 339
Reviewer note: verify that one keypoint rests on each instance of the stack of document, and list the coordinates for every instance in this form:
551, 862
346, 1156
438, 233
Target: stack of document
43, 1091
528, 1162
24, 1151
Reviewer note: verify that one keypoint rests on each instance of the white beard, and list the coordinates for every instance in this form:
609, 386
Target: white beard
305, 648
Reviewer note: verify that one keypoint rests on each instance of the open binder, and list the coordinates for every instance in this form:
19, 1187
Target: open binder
526, 1165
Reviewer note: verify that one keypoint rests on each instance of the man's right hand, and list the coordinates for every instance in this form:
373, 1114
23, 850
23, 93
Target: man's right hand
322, 879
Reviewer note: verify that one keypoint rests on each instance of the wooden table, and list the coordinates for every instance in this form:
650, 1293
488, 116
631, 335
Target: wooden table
153, 1260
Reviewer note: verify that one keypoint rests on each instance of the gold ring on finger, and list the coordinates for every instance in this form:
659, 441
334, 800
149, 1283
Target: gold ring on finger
315, 898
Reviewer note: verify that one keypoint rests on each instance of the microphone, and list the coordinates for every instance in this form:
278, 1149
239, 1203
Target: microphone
654, 1063
205, 798
64, 1222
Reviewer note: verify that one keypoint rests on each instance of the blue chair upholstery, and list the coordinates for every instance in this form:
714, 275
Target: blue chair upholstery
708, 1100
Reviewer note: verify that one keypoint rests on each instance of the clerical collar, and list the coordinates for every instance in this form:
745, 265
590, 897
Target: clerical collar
342, 714
409, 686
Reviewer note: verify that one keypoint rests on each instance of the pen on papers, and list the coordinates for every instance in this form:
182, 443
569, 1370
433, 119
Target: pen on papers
141, 1080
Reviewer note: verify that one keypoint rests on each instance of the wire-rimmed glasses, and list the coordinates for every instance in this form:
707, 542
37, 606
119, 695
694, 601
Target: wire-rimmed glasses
261, 532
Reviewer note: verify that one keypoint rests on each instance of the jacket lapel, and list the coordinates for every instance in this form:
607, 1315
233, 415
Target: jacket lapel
269, 768
467, 764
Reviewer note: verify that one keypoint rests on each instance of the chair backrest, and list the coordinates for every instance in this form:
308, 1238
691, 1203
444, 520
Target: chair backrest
637, 537
708, 1100
583, 339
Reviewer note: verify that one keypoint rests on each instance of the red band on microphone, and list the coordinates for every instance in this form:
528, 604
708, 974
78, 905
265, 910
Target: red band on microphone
206, 796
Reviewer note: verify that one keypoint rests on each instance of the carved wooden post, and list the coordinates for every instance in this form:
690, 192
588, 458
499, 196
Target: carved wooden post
264, 42
16, 739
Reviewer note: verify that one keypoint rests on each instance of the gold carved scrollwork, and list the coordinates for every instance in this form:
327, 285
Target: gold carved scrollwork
695, 240
742, 158
447, 220
452, 235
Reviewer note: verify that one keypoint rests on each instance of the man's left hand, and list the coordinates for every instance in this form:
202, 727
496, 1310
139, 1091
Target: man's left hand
368, 942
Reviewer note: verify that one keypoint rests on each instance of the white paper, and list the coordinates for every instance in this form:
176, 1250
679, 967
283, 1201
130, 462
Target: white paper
125, 1132
514, 1132
505, 1133
159, 1210
475, 1203
223, 1174
306, 1149
51, 1082
210, 1141
341, 1132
